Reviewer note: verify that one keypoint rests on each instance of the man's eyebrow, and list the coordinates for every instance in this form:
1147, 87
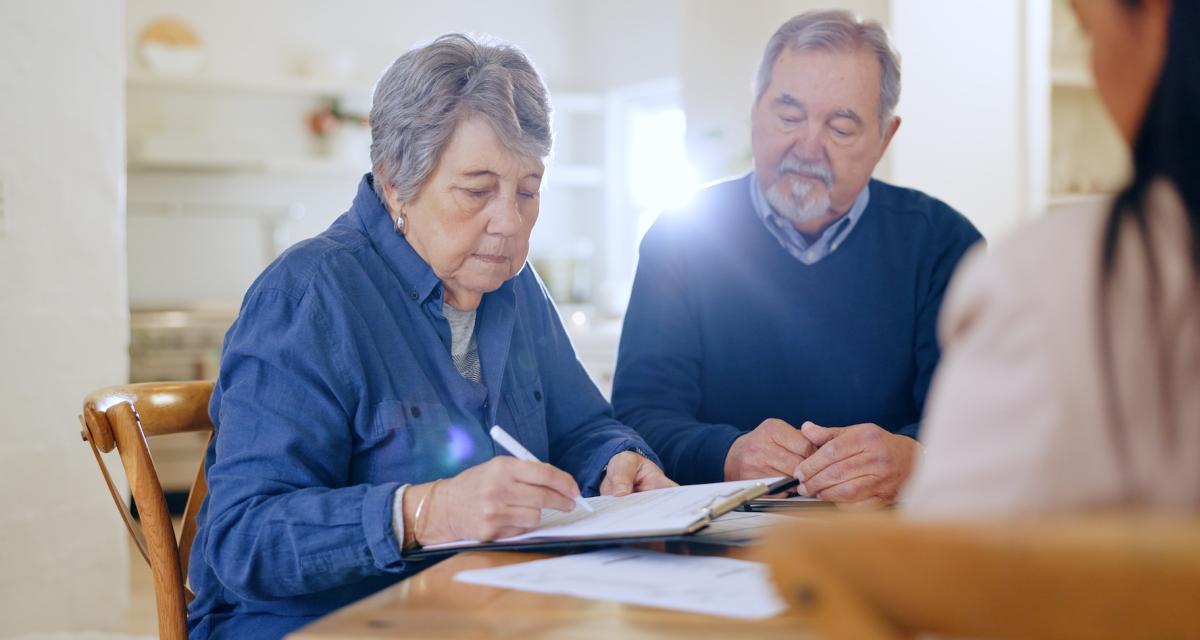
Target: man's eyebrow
849, 114
788, 101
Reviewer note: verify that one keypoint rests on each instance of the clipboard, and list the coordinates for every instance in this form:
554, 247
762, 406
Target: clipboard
678, 527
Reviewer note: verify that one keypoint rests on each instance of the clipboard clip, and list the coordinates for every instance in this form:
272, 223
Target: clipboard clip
720, 505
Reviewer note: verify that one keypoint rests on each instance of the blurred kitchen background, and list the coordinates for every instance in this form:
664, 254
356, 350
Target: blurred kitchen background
245, 133
206, 137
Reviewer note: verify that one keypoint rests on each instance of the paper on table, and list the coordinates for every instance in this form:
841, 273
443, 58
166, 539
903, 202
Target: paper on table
657, 512
701, 584
739, 528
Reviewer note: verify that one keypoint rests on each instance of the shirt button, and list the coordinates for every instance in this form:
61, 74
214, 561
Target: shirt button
485, 403
412, 295
416, 412
537, 395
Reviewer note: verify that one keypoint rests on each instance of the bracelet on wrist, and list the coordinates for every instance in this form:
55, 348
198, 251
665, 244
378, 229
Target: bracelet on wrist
422, 511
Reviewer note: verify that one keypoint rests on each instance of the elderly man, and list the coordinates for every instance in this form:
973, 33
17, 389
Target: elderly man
785, 325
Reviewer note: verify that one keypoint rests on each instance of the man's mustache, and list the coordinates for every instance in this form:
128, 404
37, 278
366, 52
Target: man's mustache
816, 170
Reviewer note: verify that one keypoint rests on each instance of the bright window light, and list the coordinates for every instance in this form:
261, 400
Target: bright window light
659, 175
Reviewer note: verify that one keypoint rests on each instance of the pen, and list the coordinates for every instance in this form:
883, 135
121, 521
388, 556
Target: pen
511, 445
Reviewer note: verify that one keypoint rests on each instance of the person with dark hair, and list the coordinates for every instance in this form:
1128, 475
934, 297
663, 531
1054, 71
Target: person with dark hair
1072, 352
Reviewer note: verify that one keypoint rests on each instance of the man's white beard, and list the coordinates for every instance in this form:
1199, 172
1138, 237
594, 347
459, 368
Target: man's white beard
802, 204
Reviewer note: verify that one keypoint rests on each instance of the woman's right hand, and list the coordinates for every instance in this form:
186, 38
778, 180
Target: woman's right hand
501, 497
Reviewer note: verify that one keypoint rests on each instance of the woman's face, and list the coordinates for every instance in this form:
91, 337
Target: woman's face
1129, 44
472, 217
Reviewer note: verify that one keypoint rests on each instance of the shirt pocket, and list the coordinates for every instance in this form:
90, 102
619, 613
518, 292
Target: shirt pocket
417, 441
526, 403
407, 416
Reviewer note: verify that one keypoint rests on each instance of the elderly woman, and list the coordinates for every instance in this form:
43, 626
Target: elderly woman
359, 381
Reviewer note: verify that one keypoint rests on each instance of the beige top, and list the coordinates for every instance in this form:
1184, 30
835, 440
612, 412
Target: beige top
1019, 415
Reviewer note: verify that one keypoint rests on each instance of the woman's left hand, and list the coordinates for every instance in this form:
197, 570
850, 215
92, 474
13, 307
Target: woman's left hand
630, 472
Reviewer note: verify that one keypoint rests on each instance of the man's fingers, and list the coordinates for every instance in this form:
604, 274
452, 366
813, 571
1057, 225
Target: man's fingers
794, 441
831, 452
817, 434
835, 473
777, 461
854, 490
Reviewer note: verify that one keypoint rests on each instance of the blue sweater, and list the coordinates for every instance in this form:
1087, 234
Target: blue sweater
726, 329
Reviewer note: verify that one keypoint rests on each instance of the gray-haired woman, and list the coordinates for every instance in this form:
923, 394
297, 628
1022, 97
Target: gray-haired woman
366, 365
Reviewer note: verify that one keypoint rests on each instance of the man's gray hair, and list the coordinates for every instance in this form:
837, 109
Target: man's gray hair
426, 92
836, 31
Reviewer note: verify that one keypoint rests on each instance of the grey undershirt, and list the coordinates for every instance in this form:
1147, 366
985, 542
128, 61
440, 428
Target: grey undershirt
463, 349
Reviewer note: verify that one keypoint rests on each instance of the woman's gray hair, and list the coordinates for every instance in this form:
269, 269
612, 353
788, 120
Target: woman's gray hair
836, 31
426, 92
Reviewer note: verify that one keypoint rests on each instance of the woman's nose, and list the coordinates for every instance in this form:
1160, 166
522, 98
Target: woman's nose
505, 217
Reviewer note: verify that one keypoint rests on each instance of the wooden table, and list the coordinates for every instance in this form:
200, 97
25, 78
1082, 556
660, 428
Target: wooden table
430, 605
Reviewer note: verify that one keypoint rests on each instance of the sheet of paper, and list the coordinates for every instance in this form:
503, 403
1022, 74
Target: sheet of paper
700, 584
657, 512
739, 528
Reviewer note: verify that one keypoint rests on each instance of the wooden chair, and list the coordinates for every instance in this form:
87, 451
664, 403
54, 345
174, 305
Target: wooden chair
882, 577
123, 417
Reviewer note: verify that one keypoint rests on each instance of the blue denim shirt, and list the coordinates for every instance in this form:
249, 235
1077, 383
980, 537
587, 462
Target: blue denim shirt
337, 387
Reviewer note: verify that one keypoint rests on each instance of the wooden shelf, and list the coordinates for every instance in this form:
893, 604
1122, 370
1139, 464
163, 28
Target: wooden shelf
311, 165
561, 101
261, 85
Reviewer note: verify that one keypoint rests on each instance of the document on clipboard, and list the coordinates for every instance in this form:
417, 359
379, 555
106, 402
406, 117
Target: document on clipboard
656, 514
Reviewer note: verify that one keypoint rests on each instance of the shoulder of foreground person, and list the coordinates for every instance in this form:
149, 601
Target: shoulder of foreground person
1017, 377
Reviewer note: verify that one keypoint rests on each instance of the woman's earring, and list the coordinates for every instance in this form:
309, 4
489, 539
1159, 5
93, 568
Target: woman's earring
399, 221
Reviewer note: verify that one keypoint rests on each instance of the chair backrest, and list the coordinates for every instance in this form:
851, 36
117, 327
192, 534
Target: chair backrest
122, 417
1101, 576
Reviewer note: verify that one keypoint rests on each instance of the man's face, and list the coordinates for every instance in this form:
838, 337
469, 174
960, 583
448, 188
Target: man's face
816, 135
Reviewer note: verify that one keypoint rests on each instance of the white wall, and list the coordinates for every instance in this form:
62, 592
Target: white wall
63, 313
626, 42
967, 113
